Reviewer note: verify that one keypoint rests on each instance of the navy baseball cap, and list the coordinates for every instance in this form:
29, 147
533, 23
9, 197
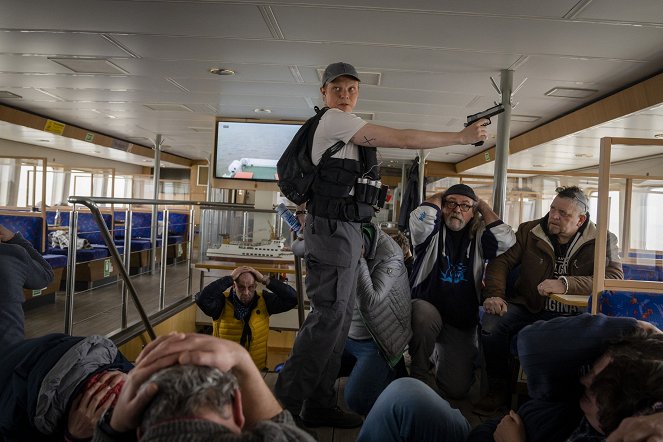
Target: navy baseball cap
339, 69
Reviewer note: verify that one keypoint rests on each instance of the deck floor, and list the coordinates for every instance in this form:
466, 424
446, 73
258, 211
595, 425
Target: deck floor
98, 311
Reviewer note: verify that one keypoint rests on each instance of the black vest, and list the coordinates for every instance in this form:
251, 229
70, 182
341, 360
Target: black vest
336, 179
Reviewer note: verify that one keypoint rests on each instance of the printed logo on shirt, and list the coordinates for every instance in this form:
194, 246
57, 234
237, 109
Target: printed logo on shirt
562, 309
453, 273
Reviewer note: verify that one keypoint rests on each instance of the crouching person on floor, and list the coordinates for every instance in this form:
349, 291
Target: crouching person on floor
380, 328
453, 234
192, 387
241, 314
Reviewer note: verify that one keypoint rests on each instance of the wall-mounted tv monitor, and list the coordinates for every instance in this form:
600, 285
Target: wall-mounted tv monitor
248, 149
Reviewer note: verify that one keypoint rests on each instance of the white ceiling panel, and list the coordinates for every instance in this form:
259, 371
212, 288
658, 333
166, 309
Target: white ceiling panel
174, 18
52, 43
435, 60
638, 11
508, 35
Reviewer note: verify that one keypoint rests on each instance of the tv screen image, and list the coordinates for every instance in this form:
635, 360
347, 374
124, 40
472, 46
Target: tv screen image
250, 150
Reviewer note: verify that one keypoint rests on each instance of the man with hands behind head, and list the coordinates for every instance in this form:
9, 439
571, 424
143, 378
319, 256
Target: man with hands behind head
453, 233
241, 314
249, 413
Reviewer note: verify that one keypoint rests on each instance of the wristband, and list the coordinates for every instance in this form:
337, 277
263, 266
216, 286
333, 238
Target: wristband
105, 427
566, 284
301, 212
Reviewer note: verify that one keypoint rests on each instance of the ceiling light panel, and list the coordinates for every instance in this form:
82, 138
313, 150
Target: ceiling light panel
7, 94
90, 66
570, 92
168, 107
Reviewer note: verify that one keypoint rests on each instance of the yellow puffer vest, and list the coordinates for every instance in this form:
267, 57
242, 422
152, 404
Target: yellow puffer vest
227, 327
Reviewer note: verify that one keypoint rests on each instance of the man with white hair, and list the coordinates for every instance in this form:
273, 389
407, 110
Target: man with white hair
453, 234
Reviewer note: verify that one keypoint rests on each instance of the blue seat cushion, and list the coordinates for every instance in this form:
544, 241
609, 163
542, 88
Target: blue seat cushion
643, 306
82, 255
136, 244
120, 248
56, 261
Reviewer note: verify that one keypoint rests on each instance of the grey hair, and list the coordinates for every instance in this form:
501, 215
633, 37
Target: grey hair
575, 194
184, 390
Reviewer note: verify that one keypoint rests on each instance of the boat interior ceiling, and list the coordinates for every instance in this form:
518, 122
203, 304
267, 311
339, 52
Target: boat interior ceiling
132, 70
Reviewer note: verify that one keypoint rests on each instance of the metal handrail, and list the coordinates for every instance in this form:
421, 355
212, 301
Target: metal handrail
91, 204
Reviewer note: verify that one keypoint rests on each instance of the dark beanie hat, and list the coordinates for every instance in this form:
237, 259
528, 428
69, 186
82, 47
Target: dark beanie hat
461, 189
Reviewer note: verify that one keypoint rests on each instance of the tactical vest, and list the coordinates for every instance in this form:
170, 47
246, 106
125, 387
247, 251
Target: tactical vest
227, 327
335, 180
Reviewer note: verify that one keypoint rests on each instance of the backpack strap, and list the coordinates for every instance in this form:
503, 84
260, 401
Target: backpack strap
330, 152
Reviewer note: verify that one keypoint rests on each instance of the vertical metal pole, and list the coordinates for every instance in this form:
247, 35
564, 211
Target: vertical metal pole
278, 225
203, 235
245, 226
71, 273
189, 251
128, 218
422, 178
164, 257
502, 145
299, 287
404, 182
155, 208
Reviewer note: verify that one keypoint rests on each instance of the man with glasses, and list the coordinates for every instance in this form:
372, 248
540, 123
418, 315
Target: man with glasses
453, 233
554, 254
242, 315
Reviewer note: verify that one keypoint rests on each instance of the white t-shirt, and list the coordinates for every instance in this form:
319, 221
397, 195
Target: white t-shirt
336, 125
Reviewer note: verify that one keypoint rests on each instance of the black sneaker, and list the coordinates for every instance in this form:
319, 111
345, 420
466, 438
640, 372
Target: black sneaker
331, 417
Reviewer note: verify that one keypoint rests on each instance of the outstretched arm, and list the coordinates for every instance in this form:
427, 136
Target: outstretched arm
381, 136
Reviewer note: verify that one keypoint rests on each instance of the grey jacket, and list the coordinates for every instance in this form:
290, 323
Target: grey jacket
383, 297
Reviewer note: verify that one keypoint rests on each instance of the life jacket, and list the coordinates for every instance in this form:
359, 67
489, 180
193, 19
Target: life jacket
227, 327
335, 180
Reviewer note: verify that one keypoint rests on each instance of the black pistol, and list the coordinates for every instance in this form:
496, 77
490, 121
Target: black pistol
491, 112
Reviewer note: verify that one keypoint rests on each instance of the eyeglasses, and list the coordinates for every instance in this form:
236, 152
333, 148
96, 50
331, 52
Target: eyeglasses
451, 205
250, 288
569, 192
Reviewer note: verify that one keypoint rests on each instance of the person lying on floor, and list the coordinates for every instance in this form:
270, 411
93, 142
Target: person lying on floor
192, 387
56, 386
564, 404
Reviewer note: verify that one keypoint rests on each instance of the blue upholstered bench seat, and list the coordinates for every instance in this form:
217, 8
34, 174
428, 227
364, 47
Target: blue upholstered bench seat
56, 261
643, 306
640, 272
82, 255
136, 244
120, 248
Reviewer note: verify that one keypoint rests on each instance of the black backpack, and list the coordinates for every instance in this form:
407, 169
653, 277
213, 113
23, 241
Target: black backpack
295, 168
